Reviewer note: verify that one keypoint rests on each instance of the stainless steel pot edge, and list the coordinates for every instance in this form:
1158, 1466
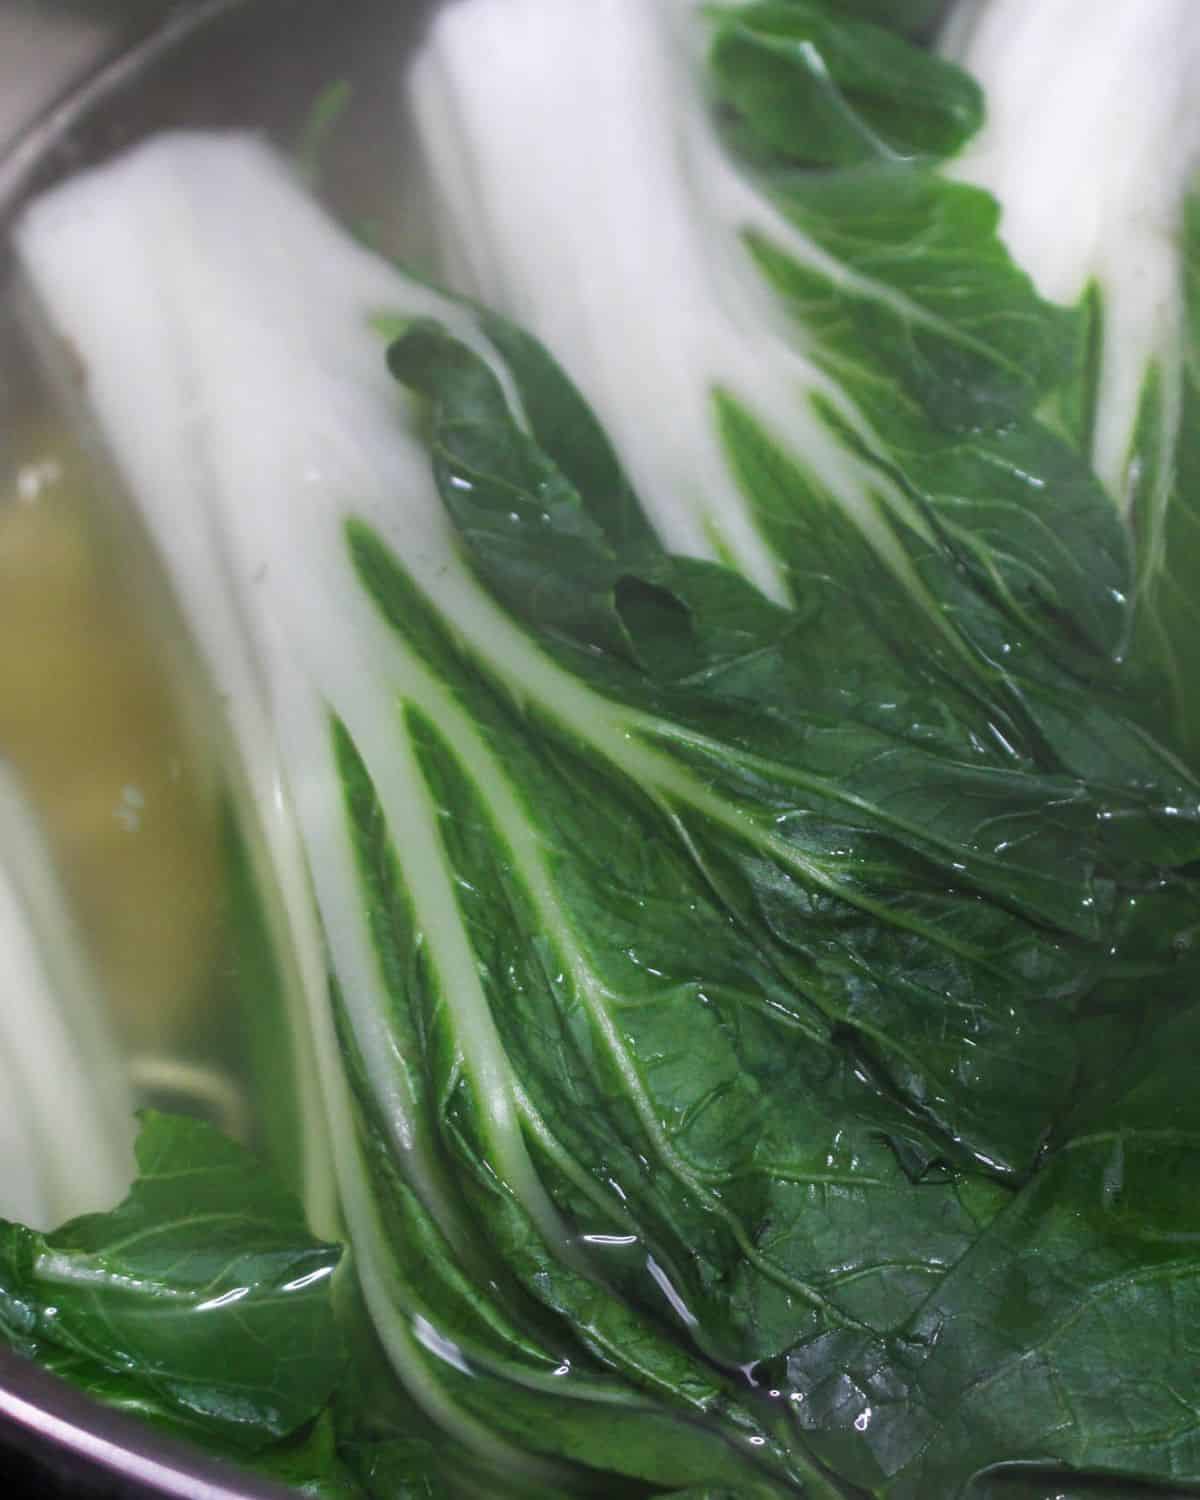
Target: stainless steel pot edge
46, 1418
33, 144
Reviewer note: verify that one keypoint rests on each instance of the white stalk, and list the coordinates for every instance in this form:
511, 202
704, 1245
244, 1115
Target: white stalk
233, 368
582, 190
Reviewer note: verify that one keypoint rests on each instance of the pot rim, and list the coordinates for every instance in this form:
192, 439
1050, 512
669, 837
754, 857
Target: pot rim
54, 1424
114, 71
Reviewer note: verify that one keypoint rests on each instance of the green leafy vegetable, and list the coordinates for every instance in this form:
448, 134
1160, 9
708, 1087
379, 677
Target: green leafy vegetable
741, 868
202, 1298
835, 289
910, 17
1065, 1333
1107, 239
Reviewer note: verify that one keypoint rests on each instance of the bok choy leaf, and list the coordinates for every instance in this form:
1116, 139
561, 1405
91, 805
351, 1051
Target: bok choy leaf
1098, 203
201, 1301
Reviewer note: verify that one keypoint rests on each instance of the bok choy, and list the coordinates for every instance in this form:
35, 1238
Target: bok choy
731, 819
1091, 146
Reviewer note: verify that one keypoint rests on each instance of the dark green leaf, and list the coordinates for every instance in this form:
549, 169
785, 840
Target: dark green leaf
203, 1295
1064, 1335
909, 17
828, 91
859, 999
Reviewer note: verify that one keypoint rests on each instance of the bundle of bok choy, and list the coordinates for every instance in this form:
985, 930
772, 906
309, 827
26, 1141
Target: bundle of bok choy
712, 687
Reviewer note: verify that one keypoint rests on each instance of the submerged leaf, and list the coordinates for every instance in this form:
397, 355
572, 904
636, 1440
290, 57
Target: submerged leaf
1064, 1335
203, 1296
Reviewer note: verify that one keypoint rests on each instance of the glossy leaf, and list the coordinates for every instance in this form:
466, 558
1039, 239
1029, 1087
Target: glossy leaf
203, 1296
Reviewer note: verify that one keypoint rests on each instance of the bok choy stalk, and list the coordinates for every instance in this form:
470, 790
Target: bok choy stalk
783, 251
782, 200
66, 1108
1092, 146
695, 981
